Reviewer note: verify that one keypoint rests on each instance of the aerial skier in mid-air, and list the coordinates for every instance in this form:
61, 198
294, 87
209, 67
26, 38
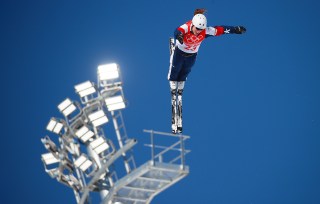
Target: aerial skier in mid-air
183, 52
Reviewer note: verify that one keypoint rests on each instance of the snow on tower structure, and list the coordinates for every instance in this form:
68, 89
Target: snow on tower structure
85, 157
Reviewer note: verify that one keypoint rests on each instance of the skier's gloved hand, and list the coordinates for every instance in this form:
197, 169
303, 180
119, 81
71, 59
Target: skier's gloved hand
180, 38
240, 30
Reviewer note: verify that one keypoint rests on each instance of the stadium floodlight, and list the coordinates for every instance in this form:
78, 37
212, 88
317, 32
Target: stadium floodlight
50, 146
85, 89
98, 118
115, 103
99, 145
54, 126
49, 158
84, 134
108, 71
66, 107
83, 163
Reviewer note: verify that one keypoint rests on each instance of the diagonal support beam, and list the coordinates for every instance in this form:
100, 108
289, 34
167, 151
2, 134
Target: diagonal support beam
105, 166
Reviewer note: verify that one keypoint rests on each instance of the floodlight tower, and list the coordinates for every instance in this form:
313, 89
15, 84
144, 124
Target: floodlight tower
82, 156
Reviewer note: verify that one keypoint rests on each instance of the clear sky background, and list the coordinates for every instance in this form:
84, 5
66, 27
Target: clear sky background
251, 102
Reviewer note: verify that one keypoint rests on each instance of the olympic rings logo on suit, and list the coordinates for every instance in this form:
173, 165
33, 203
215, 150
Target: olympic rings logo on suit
193, 39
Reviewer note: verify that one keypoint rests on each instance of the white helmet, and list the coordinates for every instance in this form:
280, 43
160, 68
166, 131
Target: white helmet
199, 21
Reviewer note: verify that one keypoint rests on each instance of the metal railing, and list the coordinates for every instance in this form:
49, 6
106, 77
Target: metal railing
163, 153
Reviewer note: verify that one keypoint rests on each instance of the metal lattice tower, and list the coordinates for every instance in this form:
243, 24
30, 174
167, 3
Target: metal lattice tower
85, 157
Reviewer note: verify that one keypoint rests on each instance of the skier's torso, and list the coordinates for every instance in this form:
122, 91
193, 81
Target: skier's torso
191, 42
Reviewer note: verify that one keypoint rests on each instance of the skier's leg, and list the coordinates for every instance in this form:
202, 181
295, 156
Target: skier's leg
176, 61
179, 118
187, 66
173, 89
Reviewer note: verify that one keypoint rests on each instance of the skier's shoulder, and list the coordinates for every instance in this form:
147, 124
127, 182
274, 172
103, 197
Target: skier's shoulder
188, 24
185, 27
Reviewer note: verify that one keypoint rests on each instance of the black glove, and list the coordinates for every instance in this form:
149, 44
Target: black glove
240, 30
180, 38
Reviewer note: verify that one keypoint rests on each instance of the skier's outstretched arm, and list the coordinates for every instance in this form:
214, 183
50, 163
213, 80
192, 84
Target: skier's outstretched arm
221, 30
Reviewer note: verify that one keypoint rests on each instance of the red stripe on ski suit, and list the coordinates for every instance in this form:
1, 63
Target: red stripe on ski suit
220, 30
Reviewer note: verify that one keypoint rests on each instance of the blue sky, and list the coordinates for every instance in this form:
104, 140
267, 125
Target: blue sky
251, 103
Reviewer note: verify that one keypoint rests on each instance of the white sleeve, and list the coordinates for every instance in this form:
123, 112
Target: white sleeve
211, 31
184, 27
